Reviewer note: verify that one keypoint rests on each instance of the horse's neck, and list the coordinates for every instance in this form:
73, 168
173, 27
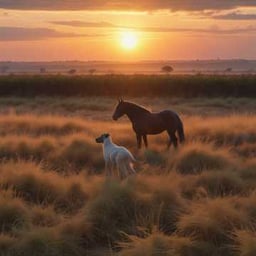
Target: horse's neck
135, 112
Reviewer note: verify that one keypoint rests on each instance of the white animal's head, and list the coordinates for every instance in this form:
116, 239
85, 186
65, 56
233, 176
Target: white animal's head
102, 137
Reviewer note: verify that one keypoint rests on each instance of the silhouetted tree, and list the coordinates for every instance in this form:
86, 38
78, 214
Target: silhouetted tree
167, 69
92, 71
4, 69
42, 70
228, 69
72, 71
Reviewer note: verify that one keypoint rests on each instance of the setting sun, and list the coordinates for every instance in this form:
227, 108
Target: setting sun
129, 40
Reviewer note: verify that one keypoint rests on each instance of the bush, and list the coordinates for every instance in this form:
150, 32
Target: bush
195, 158
157, 244
221, 183
154, 158
212, 221
7, 244
44, 216
38, 242
78, 154
14, 214
246, 242
112, 211
40, 187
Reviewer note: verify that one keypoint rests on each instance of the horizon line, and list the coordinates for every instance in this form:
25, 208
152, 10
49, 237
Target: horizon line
135, 61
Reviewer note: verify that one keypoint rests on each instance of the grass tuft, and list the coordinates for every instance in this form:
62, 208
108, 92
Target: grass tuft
14, 215
212, 221
196, 157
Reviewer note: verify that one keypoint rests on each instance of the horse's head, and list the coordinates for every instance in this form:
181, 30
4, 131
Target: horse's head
119, 110
102, 138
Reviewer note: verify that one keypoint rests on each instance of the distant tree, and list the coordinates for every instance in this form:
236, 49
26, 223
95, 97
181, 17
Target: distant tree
92, 71
228, 69
42, 70
4, 69
72, 71
167, 69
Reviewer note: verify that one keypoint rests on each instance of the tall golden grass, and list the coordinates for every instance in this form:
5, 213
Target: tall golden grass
197, 200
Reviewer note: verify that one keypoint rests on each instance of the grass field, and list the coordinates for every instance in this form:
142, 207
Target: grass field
195, 201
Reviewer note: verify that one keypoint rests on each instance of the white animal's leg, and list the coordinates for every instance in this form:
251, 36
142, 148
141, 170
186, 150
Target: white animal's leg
126, 170
113, 160
108, 168
131, 169
121, 168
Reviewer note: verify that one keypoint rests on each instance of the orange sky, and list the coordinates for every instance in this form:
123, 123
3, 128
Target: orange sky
185, 29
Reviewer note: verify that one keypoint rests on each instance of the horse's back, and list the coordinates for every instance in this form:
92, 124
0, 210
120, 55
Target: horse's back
169, 114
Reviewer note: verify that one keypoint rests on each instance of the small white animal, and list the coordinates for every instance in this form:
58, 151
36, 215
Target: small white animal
116, 156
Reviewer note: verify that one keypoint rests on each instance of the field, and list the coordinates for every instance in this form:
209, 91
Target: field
194, 201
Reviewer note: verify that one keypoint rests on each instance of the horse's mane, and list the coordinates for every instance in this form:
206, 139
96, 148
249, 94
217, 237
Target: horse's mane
137, 107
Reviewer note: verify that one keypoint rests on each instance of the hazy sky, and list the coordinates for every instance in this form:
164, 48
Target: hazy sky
34, 30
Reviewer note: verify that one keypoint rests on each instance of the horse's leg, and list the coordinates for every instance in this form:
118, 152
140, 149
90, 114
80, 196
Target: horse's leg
144, 136
173, 139
138, 136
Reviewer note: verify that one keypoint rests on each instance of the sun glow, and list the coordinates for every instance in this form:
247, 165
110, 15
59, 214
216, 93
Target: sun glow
129, 40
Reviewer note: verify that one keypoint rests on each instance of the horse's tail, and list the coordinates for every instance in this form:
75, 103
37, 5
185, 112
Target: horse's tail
180, 130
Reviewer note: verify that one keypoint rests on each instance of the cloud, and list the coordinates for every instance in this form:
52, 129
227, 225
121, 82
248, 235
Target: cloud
235, 16
78, 23
23, 34
214, 30
143, 5
211, 30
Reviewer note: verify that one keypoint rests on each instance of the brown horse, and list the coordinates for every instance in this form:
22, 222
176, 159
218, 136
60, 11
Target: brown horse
145, 122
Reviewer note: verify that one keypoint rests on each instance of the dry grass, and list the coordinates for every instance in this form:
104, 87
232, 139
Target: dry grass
194, 201
246, 242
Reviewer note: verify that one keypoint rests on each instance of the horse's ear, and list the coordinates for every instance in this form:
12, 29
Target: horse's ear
120, 100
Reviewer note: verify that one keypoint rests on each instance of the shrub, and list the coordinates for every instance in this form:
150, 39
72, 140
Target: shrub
154, 158
13, 214
157, 202
196, 158
77, 233
248, 174
221, 183
44, 216
248, 205
157, 244
212, 221
112, 211
7, 243
39, 242
40, 187
78, 154
246, 242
